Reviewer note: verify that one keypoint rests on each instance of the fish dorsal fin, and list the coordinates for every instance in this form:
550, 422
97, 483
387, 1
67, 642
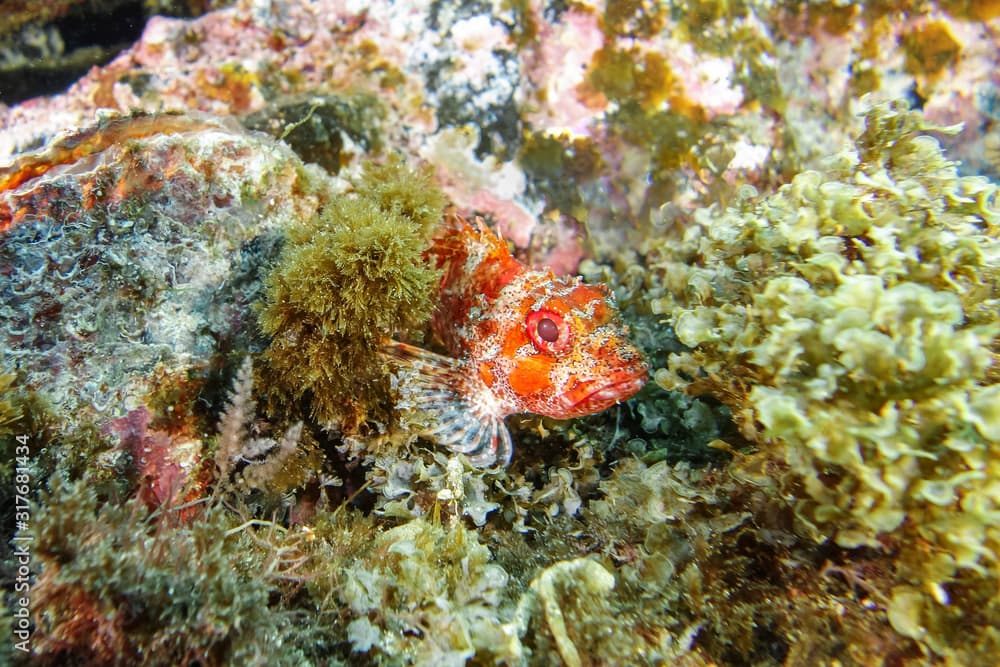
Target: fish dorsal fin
446, 390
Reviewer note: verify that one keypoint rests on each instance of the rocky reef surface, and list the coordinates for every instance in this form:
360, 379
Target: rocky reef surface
204, 242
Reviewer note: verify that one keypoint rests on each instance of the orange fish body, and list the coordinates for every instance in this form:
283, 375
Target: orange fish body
520, 341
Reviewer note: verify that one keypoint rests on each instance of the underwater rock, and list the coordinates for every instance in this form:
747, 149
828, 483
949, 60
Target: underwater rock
462, 87
116, 239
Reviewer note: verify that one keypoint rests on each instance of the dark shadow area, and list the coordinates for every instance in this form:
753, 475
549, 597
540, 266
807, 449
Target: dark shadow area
44, 58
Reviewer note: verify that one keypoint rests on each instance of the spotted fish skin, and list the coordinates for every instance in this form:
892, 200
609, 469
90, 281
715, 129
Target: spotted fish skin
518, 340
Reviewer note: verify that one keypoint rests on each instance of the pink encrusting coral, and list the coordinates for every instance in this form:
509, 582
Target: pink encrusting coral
167, 466
557, 66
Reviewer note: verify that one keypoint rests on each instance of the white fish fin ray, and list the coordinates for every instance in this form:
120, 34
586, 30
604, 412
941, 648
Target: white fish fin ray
439, 388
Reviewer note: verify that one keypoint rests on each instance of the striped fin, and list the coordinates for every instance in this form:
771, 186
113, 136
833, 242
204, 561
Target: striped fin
444, 389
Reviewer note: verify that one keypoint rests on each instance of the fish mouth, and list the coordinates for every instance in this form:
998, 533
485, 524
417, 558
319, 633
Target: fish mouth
596, 397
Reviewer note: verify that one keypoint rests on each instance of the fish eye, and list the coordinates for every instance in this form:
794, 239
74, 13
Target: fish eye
548, 331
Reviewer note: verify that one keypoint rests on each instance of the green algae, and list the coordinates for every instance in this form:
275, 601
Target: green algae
119, 587
850, 322
34, 422
346, 280
349, 587
558, 165
634, 18
11, 411
419, 593
931, 49
323, 129
120, 584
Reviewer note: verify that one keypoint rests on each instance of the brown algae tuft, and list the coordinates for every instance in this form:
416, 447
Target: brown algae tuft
347, 279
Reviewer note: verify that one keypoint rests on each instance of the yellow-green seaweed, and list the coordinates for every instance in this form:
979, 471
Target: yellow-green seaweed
118, 586
346, 280
851, 321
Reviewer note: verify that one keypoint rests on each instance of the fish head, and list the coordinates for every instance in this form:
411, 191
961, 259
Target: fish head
557, 347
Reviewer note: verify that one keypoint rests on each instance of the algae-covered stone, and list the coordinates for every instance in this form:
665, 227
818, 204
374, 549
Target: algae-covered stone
113, 268
117, 585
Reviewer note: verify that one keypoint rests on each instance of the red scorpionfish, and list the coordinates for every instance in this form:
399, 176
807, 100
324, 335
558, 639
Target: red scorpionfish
519, 340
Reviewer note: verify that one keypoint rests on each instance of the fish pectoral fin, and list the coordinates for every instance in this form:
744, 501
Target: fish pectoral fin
441, 388
484, 439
